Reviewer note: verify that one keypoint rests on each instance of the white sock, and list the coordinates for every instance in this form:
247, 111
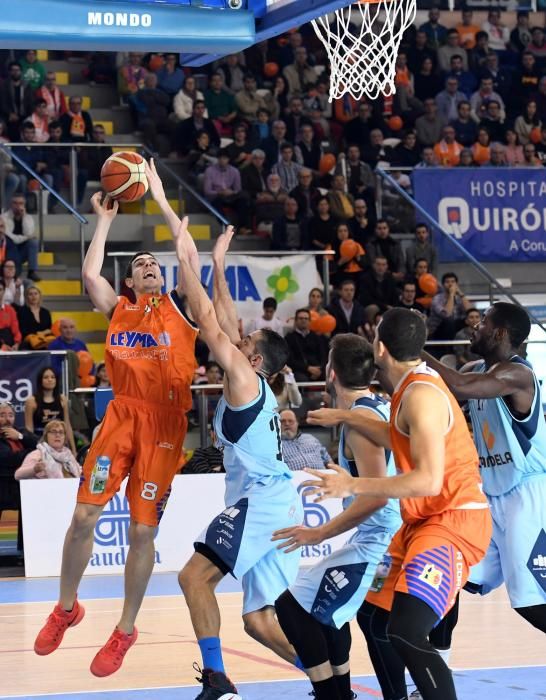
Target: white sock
445, 654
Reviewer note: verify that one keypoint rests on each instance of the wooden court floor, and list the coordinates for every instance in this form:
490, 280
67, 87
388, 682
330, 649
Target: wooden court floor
489, 634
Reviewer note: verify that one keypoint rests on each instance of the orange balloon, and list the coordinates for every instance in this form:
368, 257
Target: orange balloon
327, 163
56, 328
86, 363
33, 185
156, 63
314, 316
395, 123
428, 283
87, 380
535, 135
348, 248
271, 69
324, 324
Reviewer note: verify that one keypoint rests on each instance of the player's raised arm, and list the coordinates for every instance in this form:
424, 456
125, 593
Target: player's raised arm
173, 221
99, 289
373, 430
222, 300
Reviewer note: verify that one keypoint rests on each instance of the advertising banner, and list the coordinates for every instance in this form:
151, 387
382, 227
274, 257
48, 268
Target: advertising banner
496, 214
48, 504
18, 377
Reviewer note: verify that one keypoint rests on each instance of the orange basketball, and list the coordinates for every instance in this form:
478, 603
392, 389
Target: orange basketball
348, 249
271, 69
536, 134
327, 163
123, 177
395, 123
428, 283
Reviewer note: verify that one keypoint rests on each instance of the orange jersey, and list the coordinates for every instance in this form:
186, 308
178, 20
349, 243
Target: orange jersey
150, 351
462, 487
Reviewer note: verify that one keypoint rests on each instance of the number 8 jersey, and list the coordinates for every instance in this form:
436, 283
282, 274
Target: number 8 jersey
250, 437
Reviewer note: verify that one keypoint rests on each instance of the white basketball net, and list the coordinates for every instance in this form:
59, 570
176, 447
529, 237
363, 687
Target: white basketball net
362, 44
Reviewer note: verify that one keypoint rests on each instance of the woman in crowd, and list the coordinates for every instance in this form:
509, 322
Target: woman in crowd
34, 320
15, 291
184, 99
427, 83
102, 380
316, 301
513, 151
526, 122
322, 228
47, 404
52, 459
466, 159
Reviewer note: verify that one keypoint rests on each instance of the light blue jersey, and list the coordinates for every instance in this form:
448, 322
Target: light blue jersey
250, 436
510, 449
389, 516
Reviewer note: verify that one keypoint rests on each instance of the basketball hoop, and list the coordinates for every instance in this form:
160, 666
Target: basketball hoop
362, 44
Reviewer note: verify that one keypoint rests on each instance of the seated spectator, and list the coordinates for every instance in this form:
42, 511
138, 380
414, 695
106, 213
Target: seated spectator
406, 154
76, 123
47, 404
261, 129
15, 443
467, 29
462, 352
498, 33
448, 310
16, 98
493, 121
428, 158
267, 319
66, 340
153, 107
270, 202
10, 335
14, 289
361, 224
421, 248
436, 32
359, 176
170, 78
52, 458
358, 130
530, 159
310, 149
222, 187
316, 301
467, 159
40, 119
498, 159
466, 81
299, 75
478, 55
540, 98
201, 155
301, 450
131, 75
34, 157
272, 145
322, 228
448, 151
407, 297
186, 131
427, 82
449, 99
501, 77
205, 460
34, 320
185, 98
307, 350
481, 150
525, 81
481, 98
289, 231
248, 101
220, 103
520, 36
513, 152
466, 129
239, 150
345, 267
429, 126
91, 160
253, 176
348, 312
287, 168
341, 202
277, 103
233, 73
102, 380
53, 95
537, 47
283, 385
378, 290
526, 122
451, 48
305, 194
418, 51
384, 245
295, 119
376, 152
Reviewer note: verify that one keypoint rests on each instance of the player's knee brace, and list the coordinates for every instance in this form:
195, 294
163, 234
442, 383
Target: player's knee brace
535, 615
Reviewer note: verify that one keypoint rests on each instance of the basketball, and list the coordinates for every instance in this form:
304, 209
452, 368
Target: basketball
271, 69
327, 163
428, 283
536, 134
123, 177
348, 249
395, 123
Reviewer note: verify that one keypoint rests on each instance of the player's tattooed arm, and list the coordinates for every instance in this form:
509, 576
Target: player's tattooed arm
222, 300
100, 291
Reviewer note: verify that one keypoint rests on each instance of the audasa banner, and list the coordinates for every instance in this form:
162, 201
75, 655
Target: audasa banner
497, 214
18, 378
251, 279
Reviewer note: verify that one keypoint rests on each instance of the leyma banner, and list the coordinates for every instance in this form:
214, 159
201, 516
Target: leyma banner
497, 214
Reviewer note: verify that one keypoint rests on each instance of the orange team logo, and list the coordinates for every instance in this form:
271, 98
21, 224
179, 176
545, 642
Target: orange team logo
431, 575
488, 436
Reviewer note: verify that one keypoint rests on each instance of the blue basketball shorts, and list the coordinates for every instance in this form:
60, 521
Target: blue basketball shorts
333, 590
240, 537
517, 553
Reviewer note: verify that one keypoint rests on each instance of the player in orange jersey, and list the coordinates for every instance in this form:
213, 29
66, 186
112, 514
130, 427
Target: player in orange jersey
150, 360
446, 521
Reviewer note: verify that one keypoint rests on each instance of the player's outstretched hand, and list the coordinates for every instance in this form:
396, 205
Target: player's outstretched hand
106, 208
337, 485
222, 244
295, 537
154, 181
183, 241
325, 416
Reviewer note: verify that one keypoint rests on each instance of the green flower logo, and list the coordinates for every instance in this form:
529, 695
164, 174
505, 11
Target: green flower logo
282, 284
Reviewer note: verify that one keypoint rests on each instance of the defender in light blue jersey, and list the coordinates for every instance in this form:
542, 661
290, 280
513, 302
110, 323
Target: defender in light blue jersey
505, 407
316, 609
